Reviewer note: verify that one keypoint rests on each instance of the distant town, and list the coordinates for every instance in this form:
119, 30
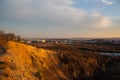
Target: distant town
72, 41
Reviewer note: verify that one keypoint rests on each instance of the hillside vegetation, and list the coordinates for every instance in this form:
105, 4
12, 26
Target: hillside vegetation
24, 62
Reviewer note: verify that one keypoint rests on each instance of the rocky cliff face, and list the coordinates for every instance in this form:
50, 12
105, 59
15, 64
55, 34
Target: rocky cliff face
23, 62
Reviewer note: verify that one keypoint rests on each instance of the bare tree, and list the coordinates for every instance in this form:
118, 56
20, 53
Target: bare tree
1, 32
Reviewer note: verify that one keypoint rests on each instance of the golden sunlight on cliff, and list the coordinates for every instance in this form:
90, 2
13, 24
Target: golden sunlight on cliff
23, 62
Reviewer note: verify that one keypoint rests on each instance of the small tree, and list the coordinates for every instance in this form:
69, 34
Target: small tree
4, 37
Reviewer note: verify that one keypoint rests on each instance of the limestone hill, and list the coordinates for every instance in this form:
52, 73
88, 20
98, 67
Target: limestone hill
24, 62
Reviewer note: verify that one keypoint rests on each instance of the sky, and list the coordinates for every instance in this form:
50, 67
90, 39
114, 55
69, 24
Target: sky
61, 18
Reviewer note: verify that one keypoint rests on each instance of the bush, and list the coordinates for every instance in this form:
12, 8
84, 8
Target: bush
4, 37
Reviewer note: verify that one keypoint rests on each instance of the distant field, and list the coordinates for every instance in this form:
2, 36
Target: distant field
84, 47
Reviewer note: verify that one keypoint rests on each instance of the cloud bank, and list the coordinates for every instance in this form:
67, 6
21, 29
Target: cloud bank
51, 14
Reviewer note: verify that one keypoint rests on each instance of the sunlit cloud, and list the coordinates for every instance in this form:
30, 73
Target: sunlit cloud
52, 13
108, 2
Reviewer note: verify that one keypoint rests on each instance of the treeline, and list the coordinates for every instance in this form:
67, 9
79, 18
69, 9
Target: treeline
4, 37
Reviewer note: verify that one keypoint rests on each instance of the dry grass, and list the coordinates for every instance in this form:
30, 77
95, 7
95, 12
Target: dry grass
23, 62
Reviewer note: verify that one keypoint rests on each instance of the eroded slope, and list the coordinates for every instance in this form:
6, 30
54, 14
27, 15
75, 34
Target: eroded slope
23, 62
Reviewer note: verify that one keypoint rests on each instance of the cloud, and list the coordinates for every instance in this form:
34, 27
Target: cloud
100, 21
108, 2
57, 14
